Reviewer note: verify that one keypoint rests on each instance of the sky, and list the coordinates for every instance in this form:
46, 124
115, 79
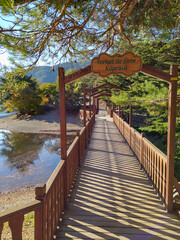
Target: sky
4, 59
3, 52
5, 62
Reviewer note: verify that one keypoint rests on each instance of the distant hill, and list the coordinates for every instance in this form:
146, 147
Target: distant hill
43, 74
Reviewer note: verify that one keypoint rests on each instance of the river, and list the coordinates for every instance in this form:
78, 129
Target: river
27, 159
4, 114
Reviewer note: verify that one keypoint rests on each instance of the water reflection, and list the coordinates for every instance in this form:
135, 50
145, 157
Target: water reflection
53, 147
27, 159
20, 149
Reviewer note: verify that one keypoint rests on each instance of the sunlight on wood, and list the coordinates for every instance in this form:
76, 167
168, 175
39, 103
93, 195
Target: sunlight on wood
112, 197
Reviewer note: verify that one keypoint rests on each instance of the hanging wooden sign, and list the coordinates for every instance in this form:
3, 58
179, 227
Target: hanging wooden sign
127, 64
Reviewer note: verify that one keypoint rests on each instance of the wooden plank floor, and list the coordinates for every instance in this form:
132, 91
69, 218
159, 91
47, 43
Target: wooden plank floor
112, 198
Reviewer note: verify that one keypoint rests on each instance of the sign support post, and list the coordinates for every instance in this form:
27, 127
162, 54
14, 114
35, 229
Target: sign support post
171, 137
62, 111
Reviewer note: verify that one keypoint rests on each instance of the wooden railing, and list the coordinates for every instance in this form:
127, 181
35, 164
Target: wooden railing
50, 200
88, 115
15, 218
150, 157
110, 111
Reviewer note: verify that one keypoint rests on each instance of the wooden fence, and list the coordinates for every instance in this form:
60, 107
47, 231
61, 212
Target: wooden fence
81, 114
88, 113
150, 157
110, 111
48, 207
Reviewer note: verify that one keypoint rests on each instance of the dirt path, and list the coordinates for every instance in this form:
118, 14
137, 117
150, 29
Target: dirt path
46, 123
16, 198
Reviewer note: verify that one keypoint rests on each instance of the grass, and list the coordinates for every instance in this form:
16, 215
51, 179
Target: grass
28, 228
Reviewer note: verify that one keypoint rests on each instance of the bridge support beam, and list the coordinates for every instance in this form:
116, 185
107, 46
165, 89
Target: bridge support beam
171, 137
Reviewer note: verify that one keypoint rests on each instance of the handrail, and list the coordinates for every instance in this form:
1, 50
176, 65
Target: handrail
72, 145
156, 149
15, 218
25, 208
50, 203
88, 114
54, 175
110, 111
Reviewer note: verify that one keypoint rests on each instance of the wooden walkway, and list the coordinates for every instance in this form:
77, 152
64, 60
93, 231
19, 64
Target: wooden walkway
112, 197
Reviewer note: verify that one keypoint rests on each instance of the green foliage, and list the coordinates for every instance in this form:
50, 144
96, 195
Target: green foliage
8, 4
56, 30
49, 92
24, 100
21, 94
74, 90
157, 52
29, 219
149, 96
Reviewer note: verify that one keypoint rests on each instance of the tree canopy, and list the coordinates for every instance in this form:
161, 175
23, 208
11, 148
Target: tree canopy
80, 29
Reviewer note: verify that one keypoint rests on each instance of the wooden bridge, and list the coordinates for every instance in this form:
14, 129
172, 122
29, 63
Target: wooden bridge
112, 197
117, 187
117, 193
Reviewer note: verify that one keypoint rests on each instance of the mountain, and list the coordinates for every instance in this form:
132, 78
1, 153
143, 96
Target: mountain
44, 74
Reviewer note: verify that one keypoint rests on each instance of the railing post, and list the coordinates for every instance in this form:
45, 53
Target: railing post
84, 107
142, 149
40, 192
97, 105
16, 224
79, 160
94, 108
119, 123
130, 124
111, 112
130, 116
123, 127
130, 136
114, 107
171, 136
119, 110
90, 105
1, 228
